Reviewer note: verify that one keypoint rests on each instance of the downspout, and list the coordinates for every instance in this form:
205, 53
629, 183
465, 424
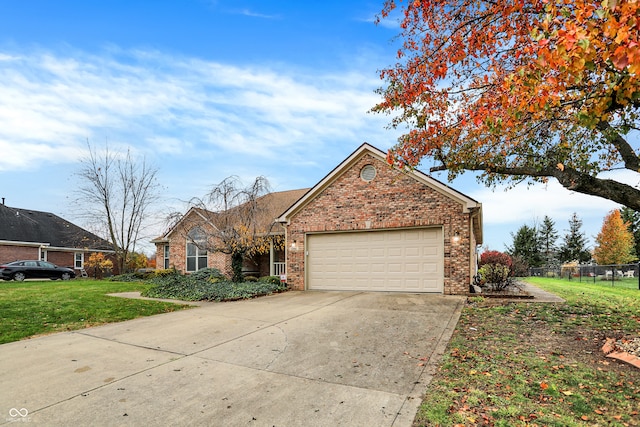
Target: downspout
271, 258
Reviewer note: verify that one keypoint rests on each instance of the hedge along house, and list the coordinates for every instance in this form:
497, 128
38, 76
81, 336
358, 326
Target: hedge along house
37, 235
368, 226
192, 243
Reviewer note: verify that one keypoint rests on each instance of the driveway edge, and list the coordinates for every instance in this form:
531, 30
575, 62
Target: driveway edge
411, 404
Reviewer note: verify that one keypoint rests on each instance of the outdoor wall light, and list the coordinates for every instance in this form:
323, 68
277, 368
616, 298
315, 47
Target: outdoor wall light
456, 237
294, 245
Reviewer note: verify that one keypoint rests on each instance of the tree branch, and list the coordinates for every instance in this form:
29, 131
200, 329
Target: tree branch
569, 178
629, 157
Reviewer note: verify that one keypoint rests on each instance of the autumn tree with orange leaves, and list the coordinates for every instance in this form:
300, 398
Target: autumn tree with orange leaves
518, 90
614, 243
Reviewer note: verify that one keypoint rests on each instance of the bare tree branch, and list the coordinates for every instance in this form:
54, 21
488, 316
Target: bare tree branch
115, 193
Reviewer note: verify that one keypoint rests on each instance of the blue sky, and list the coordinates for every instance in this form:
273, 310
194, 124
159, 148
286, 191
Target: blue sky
204, 89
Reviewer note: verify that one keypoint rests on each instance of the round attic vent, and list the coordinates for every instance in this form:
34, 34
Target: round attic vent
368, 173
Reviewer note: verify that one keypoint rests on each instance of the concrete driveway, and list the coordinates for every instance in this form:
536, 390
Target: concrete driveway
293, 359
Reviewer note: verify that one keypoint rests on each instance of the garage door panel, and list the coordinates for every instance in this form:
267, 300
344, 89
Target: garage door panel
377, 252
362, 268
412, 252
395, 268
412, 268
360, 253
431, 251
378, 268
392, 260
429, 268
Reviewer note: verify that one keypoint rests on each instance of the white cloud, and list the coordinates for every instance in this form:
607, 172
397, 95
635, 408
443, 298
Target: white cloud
172, 103
504, 211
522, 204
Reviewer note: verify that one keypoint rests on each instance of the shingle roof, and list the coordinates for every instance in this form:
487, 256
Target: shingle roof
270, 207
25, 225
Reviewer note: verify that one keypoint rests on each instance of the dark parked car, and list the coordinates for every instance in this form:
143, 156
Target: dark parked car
20, 270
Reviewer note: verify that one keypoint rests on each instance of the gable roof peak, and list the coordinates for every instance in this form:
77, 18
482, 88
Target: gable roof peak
365, 148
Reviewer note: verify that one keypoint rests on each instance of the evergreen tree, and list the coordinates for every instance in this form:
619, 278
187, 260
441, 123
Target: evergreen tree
526, 246
574, 247
632, 218
614, 242
548, 237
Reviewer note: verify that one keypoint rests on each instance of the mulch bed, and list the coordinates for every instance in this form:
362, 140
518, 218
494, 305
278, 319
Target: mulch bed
513, 291
625, 350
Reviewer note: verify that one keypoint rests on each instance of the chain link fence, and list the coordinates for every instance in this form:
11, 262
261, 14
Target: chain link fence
624, 275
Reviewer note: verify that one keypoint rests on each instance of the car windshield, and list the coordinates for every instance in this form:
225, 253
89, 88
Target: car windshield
46, 264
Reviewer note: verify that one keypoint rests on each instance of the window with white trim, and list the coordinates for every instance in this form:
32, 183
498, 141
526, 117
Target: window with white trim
196, 251
166, 257
79, 260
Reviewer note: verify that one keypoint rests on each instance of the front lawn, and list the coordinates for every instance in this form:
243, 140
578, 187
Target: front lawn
40, 307
539, 364
618, 282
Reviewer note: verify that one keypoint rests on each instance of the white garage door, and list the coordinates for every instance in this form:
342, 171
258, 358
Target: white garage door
400, 260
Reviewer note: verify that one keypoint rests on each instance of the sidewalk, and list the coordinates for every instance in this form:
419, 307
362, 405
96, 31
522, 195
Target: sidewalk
539, 295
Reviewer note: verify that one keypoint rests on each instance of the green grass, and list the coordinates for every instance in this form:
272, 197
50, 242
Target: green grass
537, 364
624, 282
41, 307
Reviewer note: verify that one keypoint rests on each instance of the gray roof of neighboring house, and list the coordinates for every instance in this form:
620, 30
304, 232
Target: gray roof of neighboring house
26, 225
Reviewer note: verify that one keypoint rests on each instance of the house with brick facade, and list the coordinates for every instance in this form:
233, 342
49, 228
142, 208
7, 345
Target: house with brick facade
366, 226
36, 235
190, 244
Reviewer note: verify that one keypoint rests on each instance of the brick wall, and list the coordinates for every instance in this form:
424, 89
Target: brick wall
178, 248
11, 253
391, 200
63, 259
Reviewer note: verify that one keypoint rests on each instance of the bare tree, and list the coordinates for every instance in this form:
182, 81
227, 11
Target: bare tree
236, 218
115, 194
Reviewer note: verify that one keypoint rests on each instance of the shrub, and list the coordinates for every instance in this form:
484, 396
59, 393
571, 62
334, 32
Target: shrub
210, 274
495, 275
209, 286
519, 267
274, 280
127, 277
164, 272
250, 279
495, 257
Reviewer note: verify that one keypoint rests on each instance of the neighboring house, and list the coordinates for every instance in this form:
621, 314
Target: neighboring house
185, 246
30, 234
366, 226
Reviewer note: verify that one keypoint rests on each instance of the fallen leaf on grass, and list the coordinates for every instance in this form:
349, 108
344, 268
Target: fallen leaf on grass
544, 385
567, 393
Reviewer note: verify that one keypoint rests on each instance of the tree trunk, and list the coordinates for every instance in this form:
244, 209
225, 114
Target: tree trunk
236, 266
